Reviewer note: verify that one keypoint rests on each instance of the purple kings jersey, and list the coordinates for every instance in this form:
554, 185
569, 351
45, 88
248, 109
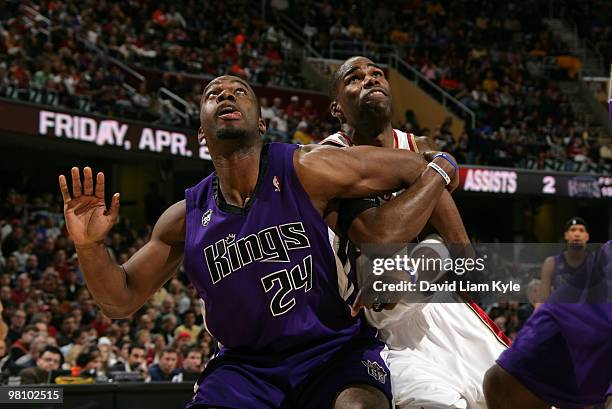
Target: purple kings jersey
266, 273
563, 271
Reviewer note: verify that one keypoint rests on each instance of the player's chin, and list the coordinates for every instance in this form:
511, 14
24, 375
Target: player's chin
577, 243
232, 131
380, 109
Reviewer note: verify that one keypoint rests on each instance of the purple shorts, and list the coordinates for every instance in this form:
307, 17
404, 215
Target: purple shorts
563, 354
309, 379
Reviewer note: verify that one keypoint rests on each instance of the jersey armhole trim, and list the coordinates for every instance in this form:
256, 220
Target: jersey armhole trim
412, 143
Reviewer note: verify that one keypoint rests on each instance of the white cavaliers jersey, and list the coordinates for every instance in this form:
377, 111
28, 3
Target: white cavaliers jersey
438, 352
403, 140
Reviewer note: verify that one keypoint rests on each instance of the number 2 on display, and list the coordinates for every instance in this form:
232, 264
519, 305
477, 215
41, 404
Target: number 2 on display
549, 185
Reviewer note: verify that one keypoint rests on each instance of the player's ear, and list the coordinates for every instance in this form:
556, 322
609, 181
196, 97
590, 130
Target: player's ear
336, 111
201, 136
262, 126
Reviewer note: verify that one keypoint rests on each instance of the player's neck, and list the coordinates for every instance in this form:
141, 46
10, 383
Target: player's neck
371, 135
238, 172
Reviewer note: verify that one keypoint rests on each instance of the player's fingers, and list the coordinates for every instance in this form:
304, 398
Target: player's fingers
64, 188
87, 181
114, 209
76, 182
389, 306
100, 185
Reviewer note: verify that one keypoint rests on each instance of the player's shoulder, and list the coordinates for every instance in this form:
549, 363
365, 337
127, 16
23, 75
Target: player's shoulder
412, 142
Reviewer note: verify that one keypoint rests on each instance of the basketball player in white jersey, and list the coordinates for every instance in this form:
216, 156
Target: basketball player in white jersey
438, 351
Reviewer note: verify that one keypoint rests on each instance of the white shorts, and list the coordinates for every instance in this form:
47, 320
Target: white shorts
437, 353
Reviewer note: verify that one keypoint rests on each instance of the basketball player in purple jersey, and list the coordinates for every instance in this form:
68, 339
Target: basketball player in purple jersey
255, 246
557, 269
562, 355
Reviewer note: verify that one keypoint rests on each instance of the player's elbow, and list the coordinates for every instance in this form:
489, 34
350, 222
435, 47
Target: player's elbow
494, 388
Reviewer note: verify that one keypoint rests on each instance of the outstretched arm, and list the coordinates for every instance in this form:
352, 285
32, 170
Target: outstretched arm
362, 171
119, 290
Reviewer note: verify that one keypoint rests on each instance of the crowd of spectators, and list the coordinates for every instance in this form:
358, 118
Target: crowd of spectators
298, 122
498, 59
59, 68
498, 67
593, 19
50, 65
50, 322
556, 146
207, 38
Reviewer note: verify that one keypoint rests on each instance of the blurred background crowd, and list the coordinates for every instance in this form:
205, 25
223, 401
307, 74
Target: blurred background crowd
506, 69
51, 321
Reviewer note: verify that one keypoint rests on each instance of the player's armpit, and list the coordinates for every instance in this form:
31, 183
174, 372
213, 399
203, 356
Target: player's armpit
362, 171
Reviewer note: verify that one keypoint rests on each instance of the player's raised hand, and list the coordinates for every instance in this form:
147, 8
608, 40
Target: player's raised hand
87, 219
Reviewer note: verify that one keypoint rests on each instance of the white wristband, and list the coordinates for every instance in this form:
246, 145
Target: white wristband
440, 171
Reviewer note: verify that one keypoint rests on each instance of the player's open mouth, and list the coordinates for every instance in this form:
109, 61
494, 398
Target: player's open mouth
375, 92
229, 113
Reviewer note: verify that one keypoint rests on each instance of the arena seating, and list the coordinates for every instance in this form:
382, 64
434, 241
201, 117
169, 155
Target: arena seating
41, 285
502, 69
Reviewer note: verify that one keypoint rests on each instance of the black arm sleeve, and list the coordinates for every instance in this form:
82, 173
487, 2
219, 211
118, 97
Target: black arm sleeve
351, 208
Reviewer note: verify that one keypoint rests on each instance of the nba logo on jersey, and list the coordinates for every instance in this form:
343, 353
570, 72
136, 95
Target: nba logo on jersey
276, 184
375, 370
206, 217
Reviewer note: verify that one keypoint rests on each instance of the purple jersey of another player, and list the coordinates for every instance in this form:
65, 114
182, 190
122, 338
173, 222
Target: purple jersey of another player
562, 353
563, 271
266, 272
